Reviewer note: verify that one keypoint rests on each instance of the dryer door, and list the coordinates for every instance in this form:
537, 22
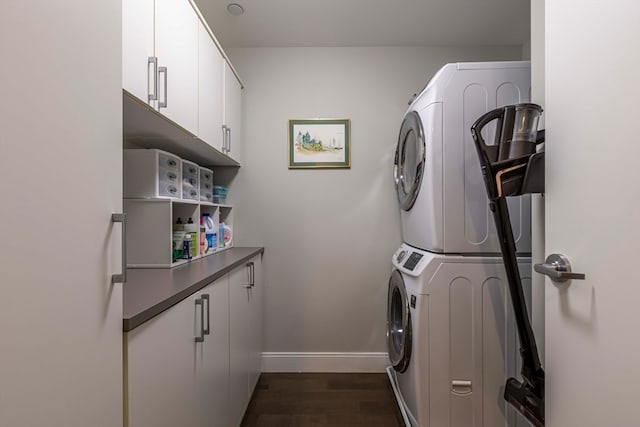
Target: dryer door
398, 323
408, 168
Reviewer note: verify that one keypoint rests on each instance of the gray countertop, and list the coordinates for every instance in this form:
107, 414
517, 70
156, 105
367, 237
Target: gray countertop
148, 292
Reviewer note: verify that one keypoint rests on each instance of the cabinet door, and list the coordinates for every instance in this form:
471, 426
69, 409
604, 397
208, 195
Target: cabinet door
256, 294
233, 113
214, 379
138, 75
210, 90
60, 315
163, 364
239, 318
176, 38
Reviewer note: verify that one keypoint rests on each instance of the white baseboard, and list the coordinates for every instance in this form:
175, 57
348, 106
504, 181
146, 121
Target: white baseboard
324, 362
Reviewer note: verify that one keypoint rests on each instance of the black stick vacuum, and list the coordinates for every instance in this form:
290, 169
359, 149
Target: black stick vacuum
511, 167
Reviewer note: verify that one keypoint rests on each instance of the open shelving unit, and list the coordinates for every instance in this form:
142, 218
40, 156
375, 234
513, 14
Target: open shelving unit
150, 228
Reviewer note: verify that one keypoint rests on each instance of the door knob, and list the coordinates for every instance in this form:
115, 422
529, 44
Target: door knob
558, 268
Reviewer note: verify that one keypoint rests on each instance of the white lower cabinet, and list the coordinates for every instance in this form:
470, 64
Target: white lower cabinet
245, 336
214, 387
197, 363
177, 374
255, 326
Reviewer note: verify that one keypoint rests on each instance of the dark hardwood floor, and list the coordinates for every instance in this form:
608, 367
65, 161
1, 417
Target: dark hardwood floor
318, 400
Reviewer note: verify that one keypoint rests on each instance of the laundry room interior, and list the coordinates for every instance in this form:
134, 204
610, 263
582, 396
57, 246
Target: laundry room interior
330, 233
360, 213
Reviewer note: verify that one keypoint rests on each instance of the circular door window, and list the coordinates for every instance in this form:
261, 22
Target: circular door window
398, 323
409, 160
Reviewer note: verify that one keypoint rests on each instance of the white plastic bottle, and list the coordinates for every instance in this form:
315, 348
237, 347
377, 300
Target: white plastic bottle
210, 232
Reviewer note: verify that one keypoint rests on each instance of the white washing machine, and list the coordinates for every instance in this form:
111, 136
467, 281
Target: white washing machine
452, 339
443, 202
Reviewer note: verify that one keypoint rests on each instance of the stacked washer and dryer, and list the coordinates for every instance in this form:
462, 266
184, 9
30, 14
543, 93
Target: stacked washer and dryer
451, 332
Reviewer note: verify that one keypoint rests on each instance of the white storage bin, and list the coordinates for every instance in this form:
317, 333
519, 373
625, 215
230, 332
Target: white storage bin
149, 173
206, 185
190, 181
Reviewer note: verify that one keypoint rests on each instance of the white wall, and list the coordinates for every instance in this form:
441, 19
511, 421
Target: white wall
329, 234
526, 48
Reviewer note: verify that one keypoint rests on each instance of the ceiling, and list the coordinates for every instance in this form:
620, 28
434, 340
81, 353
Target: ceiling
304, 23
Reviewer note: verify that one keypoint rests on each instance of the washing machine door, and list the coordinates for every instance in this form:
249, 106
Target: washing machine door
398, 323
408, 168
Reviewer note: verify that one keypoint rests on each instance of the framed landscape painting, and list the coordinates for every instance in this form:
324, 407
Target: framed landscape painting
319, 143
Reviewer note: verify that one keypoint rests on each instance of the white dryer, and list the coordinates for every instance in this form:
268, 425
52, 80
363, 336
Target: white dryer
439, 183
452, 339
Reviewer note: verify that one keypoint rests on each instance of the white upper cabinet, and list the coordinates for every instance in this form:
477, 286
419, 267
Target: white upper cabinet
160, 57
232, 114
176, 37
172, 63
210, 90
138, 66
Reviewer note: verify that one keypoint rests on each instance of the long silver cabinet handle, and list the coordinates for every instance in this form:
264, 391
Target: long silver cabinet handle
199, 303
154, 95
224, 139
229, 147
253, 273
250, 284
122, 277
250, 271
163, 70
558, 268
207, 330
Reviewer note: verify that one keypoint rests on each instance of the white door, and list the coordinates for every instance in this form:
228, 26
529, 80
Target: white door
61, 157
139, 64
210, 89
233, 113
592, 212
239, 342
214, 375
165, 366
176, 46
256, 322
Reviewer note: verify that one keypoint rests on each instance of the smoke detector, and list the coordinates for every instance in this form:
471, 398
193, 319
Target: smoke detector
235, 9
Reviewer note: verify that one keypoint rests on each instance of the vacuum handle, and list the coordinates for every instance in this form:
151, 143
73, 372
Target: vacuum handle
484, 120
